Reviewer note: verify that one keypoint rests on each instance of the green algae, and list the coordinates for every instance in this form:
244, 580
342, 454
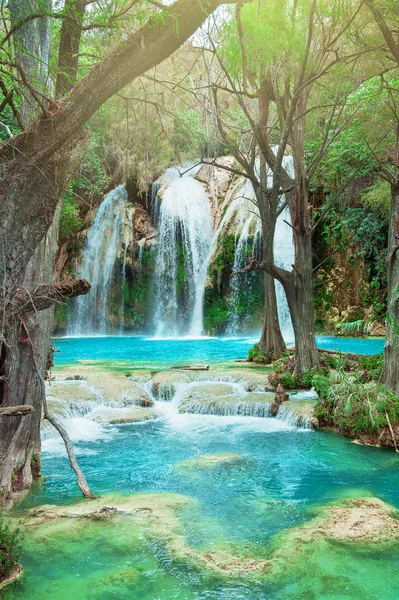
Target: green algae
142, 549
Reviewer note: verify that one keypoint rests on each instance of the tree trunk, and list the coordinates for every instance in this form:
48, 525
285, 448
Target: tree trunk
299, 291
390, 373
271, 342
32, 45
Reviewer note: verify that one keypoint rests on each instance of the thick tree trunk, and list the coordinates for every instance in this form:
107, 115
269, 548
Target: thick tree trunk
390, 374
299, 291
271, 343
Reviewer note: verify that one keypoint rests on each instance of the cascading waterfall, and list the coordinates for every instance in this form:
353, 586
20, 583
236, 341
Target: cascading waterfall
247, 236
100, 252
243, 218
185, 236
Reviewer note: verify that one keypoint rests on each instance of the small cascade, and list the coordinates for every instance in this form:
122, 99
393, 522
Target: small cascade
100, 253
185, 236
229, 409
293, 418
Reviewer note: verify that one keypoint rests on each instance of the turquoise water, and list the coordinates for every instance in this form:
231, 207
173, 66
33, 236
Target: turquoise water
167, 351
282, 475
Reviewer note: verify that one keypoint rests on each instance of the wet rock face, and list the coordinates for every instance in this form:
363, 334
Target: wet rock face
163, 384
299, 413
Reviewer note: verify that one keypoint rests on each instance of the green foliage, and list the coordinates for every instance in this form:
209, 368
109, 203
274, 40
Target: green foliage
283, 373
70, 222
357, 408
372, 365
189, 133
321, 384
257, 355
216, 311
377, 198
365, 230
10, 547
354, 327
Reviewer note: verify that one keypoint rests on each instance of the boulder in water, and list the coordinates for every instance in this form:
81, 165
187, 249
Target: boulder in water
362, 520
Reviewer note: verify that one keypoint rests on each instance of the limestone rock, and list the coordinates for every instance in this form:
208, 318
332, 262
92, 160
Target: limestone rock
378, 329
107, 415
71, 391
364, 520
215, 398
16, 573
299, 413
164, 383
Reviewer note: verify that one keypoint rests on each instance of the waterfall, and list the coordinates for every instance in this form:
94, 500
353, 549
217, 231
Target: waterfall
100, 253
185, 236
243, 218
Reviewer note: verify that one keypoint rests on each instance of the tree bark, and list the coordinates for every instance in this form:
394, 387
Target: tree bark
390, 374
271, 341
68, 57
299, 291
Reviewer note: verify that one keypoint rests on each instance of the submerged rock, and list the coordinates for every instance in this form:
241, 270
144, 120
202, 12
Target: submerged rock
209, 461
362, 520
155, 514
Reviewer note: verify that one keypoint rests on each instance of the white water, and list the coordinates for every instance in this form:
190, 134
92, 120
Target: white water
185, 236
242, 217
86, 420
99, 256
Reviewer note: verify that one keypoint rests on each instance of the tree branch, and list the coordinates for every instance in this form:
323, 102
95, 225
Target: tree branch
25, 302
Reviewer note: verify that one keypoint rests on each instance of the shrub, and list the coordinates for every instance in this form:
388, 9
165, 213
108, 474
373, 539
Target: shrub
10, 547
257, 355
355, 407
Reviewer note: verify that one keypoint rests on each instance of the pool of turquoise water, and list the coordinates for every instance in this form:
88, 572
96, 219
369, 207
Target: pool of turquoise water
207, 349
283, 475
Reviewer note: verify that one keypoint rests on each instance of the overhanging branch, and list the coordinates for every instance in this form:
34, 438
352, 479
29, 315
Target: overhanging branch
28, 301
